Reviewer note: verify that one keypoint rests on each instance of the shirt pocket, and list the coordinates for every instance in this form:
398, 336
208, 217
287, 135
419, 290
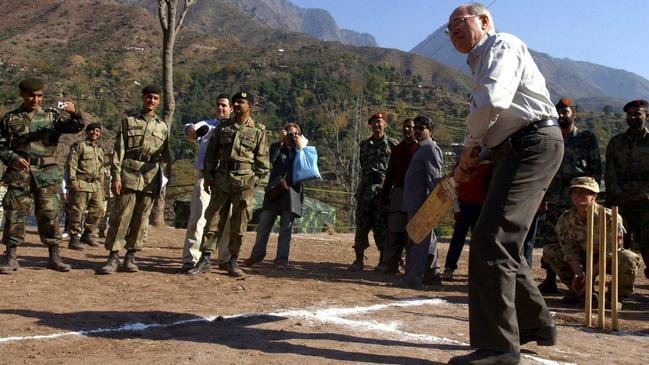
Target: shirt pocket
156, 139
135, 136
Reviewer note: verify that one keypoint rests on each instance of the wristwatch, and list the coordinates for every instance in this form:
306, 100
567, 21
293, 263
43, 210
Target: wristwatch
580, 272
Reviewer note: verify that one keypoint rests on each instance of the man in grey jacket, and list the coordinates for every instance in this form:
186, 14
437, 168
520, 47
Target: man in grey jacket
424, 172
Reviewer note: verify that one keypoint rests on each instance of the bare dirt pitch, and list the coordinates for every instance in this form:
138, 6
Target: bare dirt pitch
316, 312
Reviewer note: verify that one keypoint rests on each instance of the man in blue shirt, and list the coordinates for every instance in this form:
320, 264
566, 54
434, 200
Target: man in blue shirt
201, 133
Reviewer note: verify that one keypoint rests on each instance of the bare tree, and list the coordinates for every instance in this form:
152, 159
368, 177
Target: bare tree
171, 24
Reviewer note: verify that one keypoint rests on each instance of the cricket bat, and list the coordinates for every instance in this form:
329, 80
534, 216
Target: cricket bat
438, 202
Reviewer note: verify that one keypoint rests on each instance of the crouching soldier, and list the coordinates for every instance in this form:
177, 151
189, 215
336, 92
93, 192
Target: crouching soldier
568, 257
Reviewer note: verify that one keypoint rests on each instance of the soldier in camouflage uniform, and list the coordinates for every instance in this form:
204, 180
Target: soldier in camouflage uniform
580, 158
84, 167
29, 136
236, 161
374, 157
627, 176
568, 256
140, 158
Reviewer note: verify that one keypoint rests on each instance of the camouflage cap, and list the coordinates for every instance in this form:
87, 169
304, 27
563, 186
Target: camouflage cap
379, 115
152, 89
245, 96
32, 84
636, 104
585, 182
563, 103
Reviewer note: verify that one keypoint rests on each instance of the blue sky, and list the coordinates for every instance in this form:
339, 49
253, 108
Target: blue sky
613, 33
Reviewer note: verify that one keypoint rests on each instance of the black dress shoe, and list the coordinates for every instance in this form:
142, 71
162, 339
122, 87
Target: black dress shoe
544, 336
487, 357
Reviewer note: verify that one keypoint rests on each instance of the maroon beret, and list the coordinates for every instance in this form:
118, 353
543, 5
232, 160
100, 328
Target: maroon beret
563, 103
636, 104
379, 115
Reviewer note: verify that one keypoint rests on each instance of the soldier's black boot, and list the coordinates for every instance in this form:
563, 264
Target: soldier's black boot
233, 268
55, 262
112, 264
203, 265
357, 265
129, 262
75, 243
549, 285
89, 240
9, 260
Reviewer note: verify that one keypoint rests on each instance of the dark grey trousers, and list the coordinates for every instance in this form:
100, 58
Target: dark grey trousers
417, 259
503, 297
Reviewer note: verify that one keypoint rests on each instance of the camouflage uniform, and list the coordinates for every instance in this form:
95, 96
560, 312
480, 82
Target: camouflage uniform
571, 230
140, 154
627, 173
374, 157
85, 169
108, 198
580, 158
34, 137
235, 161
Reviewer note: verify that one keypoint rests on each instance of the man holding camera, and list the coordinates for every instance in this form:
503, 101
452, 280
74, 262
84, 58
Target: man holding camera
29, 137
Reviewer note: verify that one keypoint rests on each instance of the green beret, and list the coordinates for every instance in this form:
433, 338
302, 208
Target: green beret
244, 95
563, 103
152, 89
32, 84
636, 104
92, 126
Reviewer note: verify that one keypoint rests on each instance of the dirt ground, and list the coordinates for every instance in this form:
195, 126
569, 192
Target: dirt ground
316, 312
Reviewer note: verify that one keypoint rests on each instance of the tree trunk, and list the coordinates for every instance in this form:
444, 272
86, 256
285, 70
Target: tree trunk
168, 103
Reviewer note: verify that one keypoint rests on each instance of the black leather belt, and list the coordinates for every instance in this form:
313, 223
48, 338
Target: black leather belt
535, 126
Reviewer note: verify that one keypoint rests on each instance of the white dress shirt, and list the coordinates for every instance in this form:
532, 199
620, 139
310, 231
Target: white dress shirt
202, 141
508, 91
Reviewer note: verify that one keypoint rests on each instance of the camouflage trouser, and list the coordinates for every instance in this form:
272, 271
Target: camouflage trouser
78, 203
17, 204
636, 221
3, 190
108, 207
216, 215
129, 220
628, 265
369, 217
546, 232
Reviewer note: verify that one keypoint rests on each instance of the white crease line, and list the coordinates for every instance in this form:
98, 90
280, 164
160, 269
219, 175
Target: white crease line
328, 315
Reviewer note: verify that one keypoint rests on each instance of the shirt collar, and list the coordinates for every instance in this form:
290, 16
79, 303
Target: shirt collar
476, 51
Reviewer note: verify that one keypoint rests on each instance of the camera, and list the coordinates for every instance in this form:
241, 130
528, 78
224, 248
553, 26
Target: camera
291, 135
60, 105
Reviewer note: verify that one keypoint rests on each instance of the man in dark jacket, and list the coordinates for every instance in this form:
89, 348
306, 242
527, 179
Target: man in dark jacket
283, 198
424, 172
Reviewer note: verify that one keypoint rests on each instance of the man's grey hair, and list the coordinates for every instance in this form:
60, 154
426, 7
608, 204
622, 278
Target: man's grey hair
479, 9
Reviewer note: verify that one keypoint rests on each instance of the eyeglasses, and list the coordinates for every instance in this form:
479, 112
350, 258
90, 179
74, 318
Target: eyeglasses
457, 22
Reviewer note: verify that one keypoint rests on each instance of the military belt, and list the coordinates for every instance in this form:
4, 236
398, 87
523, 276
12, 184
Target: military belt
39, 161
142, 158
233, 165
88, 179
